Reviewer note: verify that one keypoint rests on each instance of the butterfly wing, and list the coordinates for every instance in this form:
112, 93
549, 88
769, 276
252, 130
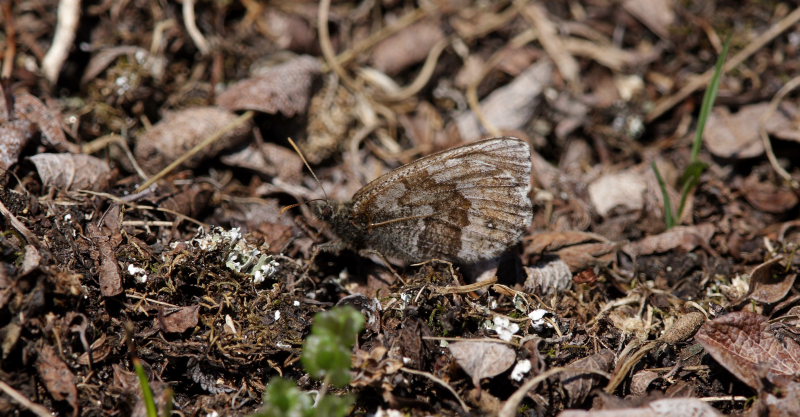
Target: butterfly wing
462, 204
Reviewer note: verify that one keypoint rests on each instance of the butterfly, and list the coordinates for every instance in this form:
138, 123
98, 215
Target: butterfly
463, 205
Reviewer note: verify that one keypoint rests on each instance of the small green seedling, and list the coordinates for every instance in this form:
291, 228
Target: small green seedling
147, 392
326, 356
691, 175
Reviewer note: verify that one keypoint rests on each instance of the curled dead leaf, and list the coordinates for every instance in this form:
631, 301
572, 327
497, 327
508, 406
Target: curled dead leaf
57, 377
66, 172
284, 88
482, 359
770, 282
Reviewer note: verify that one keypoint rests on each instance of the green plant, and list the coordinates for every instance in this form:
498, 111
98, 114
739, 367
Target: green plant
326, 356
147, 392
691, 175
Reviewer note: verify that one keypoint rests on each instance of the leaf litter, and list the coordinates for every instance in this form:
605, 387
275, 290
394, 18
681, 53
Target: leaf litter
201, 276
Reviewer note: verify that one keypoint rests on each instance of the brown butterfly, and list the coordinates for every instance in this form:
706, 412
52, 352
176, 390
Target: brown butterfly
463, 205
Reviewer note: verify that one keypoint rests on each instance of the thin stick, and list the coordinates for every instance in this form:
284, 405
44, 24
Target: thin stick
17, 396
701, 81
303, 158
200, 146
440, 382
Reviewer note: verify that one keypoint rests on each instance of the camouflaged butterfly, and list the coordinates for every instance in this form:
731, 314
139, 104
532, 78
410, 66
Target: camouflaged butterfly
463, 205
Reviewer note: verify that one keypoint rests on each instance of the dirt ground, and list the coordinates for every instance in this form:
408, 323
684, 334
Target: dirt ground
145, 165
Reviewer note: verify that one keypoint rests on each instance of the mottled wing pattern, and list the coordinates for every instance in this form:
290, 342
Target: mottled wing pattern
463, 204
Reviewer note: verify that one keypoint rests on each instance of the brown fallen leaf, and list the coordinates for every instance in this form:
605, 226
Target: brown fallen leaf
57, 377
18, 125
511, 106
66, 172
625, 189
767, 195
670, 407
657, 15
106, 237
685, 238
284, 88
735, 135
578, 384
770, 282
579, 250
482, 359
746, 345
182, 130
407, 47
178, 320
270, 159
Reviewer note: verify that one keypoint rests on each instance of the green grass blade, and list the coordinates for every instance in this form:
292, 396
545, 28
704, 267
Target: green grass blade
669, 217
147, 392
708, 99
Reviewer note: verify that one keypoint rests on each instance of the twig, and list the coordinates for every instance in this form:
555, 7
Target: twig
440, 382
11, 40
68, 16
191, 27
105, 140
327, 48
200, 146
17, 396
510, 407
552, 43
762, 130
702, 80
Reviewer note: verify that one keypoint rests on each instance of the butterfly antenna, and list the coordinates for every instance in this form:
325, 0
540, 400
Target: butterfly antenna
303, 158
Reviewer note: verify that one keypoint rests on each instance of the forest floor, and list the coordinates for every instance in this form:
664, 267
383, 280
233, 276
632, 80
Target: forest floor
145, 165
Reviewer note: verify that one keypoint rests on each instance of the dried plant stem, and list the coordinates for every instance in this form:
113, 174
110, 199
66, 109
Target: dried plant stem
200, 146
762, 130
440, 382
702, 80
17, 396
103, 141
68, 15
11, 40
327, 48
407, 20
191, 27
512, 403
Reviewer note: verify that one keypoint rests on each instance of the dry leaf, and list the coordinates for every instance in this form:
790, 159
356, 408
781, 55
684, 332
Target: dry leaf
407, 47
178, 320
106, 237
685, 238
579, 250
767, 195
578, 384
269, 159
735, 135
57, 377
657, 15
182, 130
670, 407
66, 172
510, 107
482, 359
624, 189
745, 345
770, 282
284, 88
